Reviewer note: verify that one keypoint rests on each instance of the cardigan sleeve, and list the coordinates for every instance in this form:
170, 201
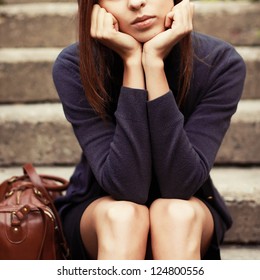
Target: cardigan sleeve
184, 150
118, 152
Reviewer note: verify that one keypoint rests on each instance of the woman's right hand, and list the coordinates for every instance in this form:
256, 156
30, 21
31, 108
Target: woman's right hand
104, 28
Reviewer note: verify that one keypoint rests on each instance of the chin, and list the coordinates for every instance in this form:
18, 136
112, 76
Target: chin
147, 36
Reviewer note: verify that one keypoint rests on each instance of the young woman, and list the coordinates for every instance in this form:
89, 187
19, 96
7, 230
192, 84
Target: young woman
150, 102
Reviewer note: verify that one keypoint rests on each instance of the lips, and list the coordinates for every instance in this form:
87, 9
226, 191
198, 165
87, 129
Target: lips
140, 19
143, 21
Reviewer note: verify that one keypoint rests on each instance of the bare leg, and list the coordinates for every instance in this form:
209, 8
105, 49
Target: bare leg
113, 229
180, 229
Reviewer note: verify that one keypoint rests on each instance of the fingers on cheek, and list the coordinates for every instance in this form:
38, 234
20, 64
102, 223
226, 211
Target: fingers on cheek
102, 25
182, 13
94, 17
169, 19
189, 8
182, 16
97, 22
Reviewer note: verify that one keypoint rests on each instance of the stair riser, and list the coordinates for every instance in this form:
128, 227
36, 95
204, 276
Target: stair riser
246, 226
241, 145
41, 143
26, 82
235, 22
37, 30
251, 88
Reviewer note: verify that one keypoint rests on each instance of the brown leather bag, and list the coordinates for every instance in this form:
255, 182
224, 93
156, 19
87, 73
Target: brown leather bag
30, 226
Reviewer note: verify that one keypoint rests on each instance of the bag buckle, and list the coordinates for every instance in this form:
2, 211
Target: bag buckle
19, 215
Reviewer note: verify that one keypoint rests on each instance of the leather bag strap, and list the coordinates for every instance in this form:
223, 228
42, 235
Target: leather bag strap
34, 177
37, 179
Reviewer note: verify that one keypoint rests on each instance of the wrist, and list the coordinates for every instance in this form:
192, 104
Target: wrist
133, 73
133, 60
155, 77
152, 63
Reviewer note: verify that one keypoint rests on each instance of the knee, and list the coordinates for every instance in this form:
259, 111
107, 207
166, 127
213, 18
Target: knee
127, 215
121, 229
174, 211
177, 224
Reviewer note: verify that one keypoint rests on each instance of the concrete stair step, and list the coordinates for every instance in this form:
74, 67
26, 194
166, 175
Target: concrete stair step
17, 66
235, 22
38, 133
251, 56
21, 25
43, 135
17, 84
38, 24
240, 188
26, 75
240, 145
240, 252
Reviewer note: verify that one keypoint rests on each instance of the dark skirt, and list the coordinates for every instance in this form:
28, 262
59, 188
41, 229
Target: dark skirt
71, 225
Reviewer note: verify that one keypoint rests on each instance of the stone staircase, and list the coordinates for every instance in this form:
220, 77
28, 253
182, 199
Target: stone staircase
33, 127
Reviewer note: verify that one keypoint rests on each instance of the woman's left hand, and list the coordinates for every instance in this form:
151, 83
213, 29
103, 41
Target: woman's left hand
178, 24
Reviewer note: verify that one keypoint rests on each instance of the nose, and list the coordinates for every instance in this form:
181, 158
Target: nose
136, 4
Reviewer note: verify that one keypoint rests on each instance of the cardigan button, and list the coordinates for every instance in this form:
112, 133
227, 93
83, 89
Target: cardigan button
210, 197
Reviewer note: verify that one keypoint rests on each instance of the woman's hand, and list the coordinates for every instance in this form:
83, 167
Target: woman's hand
104, 28
178, 24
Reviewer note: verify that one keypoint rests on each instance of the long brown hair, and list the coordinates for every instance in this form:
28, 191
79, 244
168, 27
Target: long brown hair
94, 68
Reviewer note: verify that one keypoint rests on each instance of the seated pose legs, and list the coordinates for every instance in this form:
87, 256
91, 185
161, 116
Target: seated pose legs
180, 229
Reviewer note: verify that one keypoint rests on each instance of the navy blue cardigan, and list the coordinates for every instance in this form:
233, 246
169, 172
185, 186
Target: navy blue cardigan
152, 149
